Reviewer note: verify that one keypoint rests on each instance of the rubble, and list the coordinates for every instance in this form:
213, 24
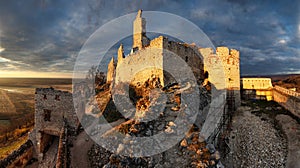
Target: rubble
255, 142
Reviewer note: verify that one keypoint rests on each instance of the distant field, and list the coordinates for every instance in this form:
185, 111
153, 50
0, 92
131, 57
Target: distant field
28, 85
20, 92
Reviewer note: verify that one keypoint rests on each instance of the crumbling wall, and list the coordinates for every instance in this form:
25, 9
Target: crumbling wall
190, 55
153, 59
53, 109
288, 99
140, 39
110, 71
140, 66
60, 106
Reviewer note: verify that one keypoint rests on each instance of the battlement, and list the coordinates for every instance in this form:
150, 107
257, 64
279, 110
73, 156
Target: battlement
224, 64
288, 92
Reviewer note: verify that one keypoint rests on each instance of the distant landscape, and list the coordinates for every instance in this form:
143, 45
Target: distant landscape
14, 125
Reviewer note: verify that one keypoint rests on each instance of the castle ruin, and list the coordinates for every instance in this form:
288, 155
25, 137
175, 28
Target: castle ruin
54, 110
150, 58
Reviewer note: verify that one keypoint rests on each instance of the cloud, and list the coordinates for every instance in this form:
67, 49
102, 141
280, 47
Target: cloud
47, 35
1, 49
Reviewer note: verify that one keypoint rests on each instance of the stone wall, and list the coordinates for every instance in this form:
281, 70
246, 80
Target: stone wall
20, 157
59, 104
288, 99
53, 109
140, 66
223, 70
190, 55
62, 152
257, 88
154, 59
256, 83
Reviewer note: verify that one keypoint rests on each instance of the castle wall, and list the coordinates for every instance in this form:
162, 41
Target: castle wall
288, 99
53, 109
224, 71
256, 83
140, 66
188, 54
153, 59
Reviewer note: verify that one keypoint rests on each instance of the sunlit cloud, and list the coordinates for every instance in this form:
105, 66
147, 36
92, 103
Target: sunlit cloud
282, 41
2, 59
1, 49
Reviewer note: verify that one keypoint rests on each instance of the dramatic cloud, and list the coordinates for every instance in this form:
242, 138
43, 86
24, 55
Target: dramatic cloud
46, 36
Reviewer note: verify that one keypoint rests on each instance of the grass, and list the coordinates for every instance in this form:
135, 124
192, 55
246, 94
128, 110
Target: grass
6, 150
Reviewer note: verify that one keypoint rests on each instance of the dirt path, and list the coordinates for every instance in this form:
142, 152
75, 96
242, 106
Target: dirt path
83, 143
79, 151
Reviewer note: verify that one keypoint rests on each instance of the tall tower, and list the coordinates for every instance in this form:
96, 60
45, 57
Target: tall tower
120, 54
231, 63
140, 39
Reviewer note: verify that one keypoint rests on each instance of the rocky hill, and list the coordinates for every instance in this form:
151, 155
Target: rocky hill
290, 81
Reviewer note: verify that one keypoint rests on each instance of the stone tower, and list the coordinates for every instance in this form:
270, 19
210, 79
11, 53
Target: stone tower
231, 64
54, 110
110, 71
140, 39
224, 64
120, 54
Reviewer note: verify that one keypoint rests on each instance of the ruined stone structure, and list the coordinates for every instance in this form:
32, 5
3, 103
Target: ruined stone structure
256, 83
151, 58
261, 88
288, 99
110, 71
223, 71
54, 110
257, 88
140, 40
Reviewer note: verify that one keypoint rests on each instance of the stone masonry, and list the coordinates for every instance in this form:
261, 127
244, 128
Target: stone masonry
151, 58
223, 65
53, 110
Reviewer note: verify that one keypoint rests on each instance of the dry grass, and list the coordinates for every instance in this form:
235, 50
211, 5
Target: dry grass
9, 148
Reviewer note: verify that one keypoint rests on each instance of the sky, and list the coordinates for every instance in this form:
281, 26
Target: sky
42, 38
